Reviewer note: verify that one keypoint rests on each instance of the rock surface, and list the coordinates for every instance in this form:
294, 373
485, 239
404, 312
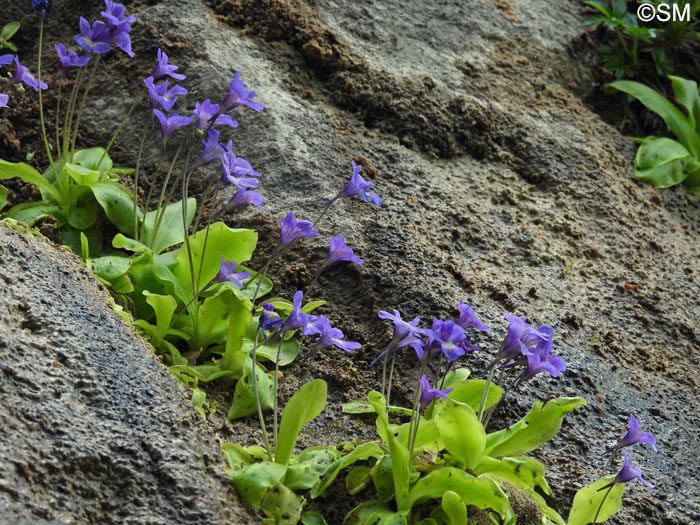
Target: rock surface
95, 430
501, 188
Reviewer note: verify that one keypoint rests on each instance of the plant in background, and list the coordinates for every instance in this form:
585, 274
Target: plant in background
661, 161
6, 33
650, 51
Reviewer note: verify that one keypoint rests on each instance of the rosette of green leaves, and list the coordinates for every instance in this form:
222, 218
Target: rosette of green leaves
6, 33
456, 464
78, 194
661, 161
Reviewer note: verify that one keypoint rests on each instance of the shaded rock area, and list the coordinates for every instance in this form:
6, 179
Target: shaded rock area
94, 429
501, 188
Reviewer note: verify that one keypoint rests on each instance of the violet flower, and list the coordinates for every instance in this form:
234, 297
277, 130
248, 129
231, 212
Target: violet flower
428, 394
330, 336
405, 334
3, 100
628, 472
244, 196
467, 318
298, 319
633, 436
212, 150
206, 110
269, 319
6, 59
523, 339
160, 96
292, 230
170, 123
118, 25
238, 171
545, 362
238, 95
227, 273
339, 251
22, 74
358, 186
68, 59
93, 38
163, 69
40, 5
447, 337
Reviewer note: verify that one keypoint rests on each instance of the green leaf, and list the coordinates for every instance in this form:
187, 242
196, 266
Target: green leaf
663, 162
313, 518
374, 513
237, 458
461, 432
282, 506
118, 205
240, 318
244, 403
364, 407
536, 428
9, 30
471, 391
110, 267
383, 480
288, 352
81, 175
359, 453
3, 196
309, 466
674, 118
589, 499
171, 230
400, 456
686, 92
358, 479
94, 159
233, 244
480, 492
82, 212
306, 403
454, 508
254, 481
521, 472
32, 212
164, 307
10, 170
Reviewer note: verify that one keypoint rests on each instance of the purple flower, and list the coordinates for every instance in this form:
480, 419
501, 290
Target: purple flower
243, 196
339, 251
330, 336
6, 59
170, 123
212, 150
238, 171
633, 436
291, 230
227, 272
238, 95
93, 38
40, 5
467, 318
545, 362
358, 186
206, 110
428, 394
118, 25
3, 100
68, 59
405, 334
160, 95
522, 339
269, 319
297, 318
163, 69
628, 472
22, 74
447, 337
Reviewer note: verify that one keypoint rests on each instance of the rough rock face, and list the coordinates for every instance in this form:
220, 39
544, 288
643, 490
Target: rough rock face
501, 188
95, 430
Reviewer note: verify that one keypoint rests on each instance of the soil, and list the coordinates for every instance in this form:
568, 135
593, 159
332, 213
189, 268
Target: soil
501, 188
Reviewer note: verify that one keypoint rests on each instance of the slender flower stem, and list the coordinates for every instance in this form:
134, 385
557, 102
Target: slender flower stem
324, 210
81, 107
391, 380
70, 114
42, 123
484, 397
161, 199
258, 404
136, 180
118, 131
275, 382
595, 518
416, 407
492, 410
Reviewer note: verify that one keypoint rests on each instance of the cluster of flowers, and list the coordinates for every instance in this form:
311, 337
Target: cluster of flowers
634, 436
524, 346
291, 230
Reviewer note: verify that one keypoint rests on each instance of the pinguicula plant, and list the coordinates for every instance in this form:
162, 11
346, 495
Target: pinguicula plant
661, 161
